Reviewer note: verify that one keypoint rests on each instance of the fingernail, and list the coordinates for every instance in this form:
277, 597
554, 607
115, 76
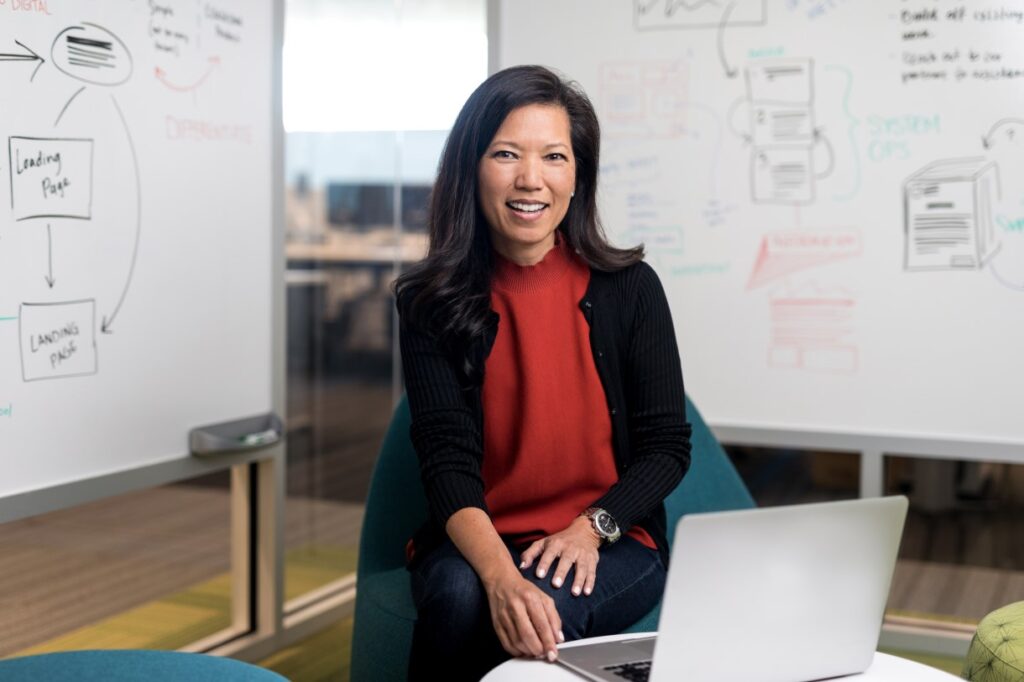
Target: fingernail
576, 590
557, 582
561, 637
552, 656
522, 564
541, 572
587, 591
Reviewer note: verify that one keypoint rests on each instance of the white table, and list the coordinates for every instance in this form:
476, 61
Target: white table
884, 668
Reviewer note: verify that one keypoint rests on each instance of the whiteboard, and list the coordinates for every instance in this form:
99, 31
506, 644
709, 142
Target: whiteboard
135, 230
831, 192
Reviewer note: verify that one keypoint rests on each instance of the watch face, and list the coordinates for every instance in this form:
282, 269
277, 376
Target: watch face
606, 523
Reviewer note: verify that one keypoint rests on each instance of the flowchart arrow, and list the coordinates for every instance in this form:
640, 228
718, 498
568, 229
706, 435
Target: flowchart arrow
729, 71
819, 136
108, 320
731, 120
987, 140
28, 56
49, 242
161, 76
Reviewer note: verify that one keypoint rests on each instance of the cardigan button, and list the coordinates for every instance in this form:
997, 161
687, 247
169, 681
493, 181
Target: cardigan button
614, 411
588, 304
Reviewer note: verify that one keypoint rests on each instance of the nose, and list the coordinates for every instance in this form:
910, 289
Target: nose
530, 174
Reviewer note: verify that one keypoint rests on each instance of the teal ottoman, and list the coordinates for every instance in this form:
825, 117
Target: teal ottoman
131, 665
997, 650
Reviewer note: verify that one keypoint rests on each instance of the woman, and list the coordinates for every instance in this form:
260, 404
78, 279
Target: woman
545, 388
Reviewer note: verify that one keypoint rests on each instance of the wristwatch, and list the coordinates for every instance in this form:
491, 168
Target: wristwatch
604, 524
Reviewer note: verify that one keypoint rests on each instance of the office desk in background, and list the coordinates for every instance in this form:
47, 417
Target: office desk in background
353, 249
885, 668
342, 373
339, 282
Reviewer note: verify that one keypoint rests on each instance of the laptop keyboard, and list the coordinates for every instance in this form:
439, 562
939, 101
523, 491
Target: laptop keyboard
638, 671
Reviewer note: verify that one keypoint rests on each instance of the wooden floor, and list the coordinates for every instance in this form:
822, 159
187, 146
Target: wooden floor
149, 569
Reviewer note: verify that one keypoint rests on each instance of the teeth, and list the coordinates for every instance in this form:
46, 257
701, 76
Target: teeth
528, 208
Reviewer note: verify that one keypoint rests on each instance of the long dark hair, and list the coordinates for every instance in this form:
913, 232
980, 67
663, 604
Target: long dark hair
447, 294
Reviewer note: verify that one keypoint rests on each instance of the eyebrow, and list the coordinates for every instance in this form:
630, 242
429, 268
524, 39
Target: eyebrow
509, 143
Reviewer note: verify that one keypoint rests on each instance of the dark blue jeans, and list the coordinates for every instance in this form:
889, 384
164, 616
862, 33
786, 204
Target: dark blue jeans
454, 639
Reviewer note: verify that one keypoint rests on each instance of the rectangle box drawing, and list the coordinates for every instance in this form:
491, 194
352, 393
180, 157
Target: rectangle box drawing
782, 124
948, 221
782, 81
683, 14
813, 333
782, 175
647, 99
50, 177
57, 339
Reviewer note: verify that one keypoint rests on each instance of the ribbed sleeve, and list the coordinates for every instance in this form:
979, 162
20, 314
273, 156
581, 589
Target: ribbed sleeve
655, 404
445, 431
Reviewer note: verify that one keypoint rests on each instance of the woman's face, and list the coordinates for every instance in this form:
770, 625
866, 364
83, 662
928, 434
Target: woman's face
527, 176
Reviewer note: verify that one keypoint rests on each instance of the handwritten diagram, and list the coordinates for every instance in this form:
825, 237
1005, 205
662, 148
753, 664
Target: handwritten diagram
812, 328
54, 185
949, 215
788, 155
670, 14
92, 54
190, 44
644, 99
787, 252
51, 181
951, 209
57, 339
783, 132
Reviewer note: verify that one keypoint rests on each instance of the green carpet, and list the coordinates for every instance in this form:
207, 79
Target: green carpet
322, 657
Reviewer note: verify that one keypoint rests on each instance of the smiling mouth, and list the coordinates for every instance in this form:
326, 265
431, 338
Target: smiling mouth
526, 206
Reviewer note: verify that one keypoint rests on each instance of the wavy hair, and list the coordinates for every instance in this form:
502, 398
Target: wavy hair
447, 294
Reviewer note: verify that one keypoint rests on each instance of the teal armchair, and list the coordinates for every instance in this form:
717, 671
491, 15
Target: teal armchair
396, 507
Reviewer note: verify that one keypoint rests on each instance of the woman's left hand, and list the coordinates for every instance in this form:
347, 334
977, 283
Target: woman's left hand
575, 546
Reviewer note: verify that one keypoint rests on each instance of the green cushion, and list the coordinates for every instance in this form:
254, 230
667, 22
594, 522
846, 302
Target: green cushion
997, 650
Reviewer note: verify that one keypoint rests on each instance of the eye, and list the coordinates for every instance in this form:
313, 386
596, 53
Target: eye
503, 154
558, 156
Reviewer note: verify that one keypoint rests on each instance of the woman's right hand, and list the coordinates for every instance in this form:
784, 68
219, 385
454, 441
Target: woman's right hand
524, 617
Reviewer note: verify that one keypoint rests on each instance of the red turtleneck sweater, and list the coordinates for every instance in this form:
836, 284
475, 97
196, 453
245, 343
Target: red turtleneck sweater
547, 433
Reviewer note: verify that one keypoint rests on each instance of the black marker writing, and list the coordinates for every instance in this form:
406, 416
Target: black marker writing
37, 161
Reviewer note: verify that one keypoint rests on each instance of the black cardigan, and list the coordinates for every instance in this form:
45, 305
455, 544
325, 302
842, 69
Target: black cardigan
635, 352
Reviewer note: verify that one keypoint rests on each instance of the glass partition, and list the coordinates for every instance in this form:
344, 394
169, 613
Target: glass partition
359, 171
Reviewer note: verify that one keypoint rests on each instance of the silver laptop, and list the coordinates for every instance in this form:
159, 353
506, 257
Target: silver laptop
782, 594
